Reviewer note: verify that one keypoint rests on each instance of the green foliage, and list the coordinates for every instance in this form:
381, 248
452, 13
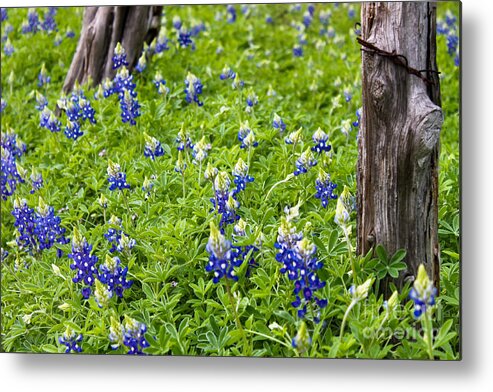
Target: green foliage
186, 314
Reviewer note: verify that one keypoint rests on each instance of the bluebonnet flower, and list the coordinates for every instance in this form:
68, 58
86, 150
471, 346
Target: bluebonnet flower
7, 29
73, 130
307, 19
107, 86
302, 341
180, 165
103, 201
25, 224
244, 131
11, 172
321, 140
177, 23
286, 240
268, 19
325, 188
304, 162
241, 252
297, 51
83, 263
347, 95
130, 334
87, 110
237, 83
69, 33
227, 73
423, 293
210, 173
351, 12
450, 18
160, 83
36, 181
71, 340
102, 294
324, 16
116, 178
251, 99
183, 140
342, 211
49, 24
114, 234
221, 256
358, 118
133, 337
452, 43
3, 254
119, 56
43, 77
47, 227
304, 271
161, 43
277, 123
231, 10
8, 48
199, 151
241, 176
49, 121
193, 88
185, 38
224, 201
41, 101
197, 28
142, 63
294, 137
147, 187
3, 104
123, 82
153, 147
32, 24
129, 107
114, 276
3, 14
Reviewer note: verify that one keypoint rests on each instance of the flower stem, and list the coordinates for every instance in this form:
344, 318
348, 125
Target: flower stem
183, 184
343, 325
237, 319
428, 325
125, 201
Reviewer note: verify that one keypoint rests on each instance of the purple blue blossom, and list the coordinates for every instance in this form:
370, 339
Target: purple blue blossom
153, 147
116, 178
83, 262
71, 340
325, 188
193, 88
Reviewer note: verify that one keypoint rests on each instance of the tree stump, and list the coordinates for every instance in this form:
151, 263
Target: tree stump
399, 134
103, 28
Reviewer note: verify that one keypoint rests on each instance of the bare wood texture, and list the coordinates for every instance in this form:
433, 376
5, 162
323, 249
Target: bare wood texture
399, 136
103, 28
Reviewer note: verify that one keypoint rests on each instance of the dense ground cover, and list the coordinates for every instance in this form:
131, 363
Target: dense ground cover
205, 237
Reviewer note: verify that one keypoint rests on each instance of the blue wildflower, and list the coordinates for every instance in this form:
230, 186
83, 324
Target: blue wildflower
224, 201
321, 140
183, 140
200, 149
49, 24
8, 48
83, 263
251, 99
25, 224
185, 38
69, 33
47, 227
129, 107
3, 104
133, 336
71, 340
297, 51
193, 88
87, 110
177, 23
227, 73
160, 83
325, 188
36, 181
161, 43
153, 147
358, 118
116, 178
114, 275
119, 56
304, 162
41, 101
32, 24
11, 172
277, 123
231, 10
3, 14
73, 130
142, 63
221, 256
423, 293
307, 19
241, 176
347, 95
43, 77
294, 137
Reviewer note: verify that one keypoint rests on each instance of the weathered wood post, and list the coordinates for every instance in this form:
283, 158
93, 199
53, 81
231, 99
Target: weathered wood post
399, 134
103, 28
